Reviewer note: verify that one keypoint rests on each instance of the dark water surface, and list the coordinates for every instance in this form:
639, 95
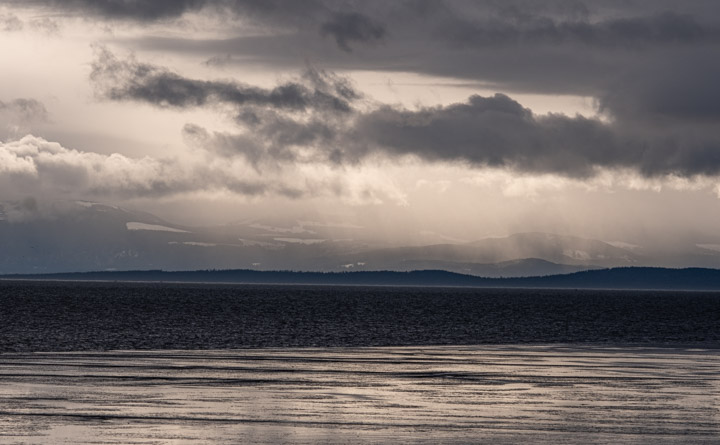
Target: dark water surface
56, 316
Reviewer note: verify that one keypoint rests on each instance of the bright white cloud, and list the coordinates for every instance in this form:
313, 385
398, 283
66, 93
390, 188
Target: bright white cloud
33, 165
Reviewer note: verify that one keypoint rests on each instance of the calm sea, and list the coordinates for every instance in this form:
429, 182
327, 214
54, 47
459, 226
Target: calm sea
52, 316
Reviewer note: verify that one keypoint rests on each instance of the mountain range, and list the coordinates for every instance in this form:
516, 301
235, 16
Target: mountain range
640, 278
85, 236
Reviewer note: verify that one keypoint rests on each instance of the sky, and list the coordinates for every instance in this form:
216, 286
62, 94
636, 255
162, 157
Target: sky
431, 120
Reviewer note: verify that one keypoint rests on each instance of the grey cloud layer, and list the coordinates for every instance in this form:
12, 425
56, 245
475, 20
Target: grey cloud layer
682, 87
497, 131
347, 28
566, 47
635, 58
327, 18
650, 66
128, 79
492, 131
143, 10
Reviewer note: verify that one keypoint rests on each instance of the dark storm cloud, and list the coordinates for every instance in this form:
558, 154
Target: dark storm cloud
498, 132
347, 28
458, 23
493, 131
662, 28
128, 79
556, 47
277, 11
681, 88
650, 67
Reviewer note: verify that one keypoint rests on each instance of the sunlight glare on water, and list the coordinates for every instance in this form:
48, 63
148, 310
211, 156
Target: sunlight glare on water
502, 394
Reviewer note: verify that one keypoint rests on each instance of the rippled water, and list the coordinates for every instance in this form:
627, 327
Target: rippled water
170, 364
450, 394
97, 316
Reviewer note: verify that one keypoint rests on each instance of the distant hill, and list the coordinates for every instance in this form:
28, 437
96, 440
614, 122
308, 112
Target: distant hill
526, 267
68, 236
616, 278
542, 253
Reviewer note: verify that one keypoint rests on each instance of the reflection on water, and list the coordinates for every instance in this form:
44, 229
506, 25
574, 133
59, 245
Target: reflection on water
495, 394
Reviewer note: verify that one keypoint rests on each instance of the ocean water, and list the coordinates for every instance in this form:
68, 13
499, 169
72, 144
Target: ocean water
491, 394
56, 316
113, 363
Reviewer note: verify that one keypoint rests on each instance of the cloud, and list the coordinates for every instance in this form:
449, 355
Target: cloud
155, 10
330, 18
352, 27
658, 116
267, 139
682, 87
494, 132
33, 166
311, 121
33, 163
140, 10
497, 131
46, 25
24, 110
556, 47
128, 79
20, 115
655, 29
10, 23
460, 22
